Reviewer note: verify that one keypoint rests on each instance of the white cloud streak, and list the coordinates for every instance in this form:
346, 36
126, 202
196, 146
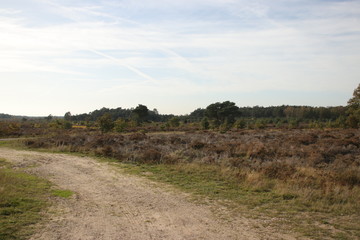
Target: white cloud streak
212, 46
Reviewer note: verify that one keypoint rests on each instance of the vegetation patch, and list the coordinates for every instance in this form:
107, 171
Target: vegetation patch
62, 193
308, 179
22, 198
279, 204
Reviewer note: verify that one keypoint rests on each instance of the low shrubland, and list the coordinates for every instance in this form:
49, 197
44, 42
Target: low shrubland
294, 170
22, 129
314, 159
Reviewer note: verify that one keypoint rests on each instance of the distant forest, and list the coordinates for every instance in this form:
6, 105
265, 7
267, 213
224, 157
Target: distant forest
4, 116
280, 112
217, 115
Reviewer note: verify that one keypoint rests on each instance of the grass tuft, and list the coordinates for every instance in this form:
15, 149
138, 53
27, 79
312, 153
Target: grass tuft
62, 193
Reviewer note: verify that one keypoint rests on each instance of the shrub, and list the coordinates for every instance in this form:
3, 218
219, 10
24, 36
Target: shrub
350, 177
137, 136
120, 125
150, 155
106, 123
197, 144
240, 124
174, 122
205, 123
279, 170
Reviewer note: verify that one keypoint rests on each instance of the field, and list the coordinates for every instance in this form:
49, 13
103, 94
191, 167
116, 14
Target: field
306, 180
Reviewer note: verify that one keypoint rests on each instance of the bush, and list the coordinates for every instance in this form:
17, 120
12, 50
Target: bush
197, 145
279, 170
106, 123
150, 155
350, 177
120, 125
205, 123
240, 124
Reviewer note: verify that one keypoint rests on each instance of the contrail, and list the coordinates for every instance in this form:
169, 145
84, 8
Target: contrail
131, 68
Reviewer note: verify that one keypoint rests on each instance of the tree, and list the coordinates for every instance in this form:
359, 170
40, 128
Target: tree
197, 114
140, 113
67, 116
106, 123
354, 109
222, 111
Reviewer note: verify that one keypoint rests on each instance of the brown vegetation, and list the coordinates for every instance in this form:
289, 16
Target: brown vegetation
333, 155
302, 171
17, 129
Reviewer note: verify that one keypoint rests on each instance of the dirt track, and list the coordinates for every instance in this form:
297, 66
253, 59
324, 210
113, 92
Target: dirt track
109, 204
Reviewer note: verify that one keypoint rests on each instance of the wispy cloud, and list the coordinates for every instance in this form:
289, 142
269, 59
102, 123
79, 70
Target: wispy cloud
185, 47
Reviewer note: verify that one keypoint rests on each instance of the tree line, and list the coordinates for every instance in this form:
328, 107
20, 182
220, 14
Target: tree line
285, 111
227, 115
219, 111
140, 113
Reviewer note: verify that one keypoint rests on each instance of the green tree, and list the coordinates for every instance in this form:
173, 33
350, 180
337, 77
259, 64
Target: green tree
197, 114
67, 116
140, 113
222, 111
354, 109
106, 123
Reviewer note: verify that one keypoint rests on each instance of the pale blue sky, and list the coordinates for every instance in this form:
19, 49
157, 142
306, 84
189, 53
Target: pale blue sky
66, 55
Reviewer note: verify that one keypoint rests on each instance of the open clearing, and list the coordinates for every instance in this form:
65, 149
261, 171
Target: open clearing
110, 204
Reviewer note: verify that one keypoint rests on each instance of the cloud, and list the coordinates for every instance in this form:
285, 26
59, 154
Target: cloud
181, 48
9, 11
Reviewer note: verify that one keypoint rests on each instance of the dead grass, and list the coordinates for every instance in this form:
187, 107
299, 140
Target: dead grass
311, 175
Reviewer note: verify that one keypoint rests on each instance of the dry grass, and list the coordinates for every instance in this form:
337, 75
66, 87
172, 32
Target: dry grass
332, 157
285, 171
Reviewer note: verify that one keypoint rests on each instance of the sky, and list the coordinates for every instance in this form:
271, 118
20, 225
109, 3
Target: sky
176, 56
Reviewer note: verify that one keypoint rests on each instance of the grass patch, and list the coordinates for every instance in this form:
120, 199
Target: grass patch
22, 198
264, 199
62, 193
203, 180
6, 143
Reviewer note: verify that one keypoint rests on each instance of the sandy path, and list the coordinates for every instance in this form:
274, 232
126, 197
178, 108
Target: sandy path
109, 204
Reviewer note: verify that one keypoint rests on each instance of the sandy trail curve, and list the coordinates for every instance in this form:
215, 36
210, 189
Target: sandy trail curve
109, 204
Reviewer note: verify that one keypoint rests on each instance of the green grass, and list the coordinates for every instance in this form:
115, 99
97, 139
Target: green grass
203, 180
5, 143
62, 193
22, 198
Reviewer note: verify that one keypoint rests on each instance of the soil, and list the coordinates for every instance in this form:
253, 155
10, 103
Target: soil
110, 204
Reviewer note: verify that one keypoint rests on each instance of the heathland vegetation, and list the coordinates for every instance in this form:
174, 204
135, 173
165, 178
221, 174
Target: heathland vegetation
300, 164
